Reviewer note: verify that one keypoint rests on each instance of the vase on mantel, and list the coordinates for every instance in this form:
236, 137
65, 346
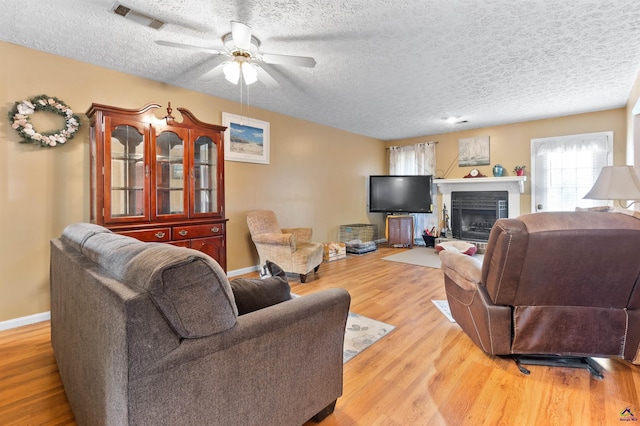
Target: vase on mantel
498, 170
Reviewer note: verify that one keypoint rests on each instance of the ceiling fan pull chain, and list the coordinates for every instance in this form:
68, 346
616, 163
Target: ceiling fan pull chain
241, 103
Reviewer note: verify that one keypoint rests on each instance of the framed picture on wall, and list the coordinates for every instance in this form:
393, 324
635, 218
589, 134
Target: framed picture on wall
473, 151
246, 139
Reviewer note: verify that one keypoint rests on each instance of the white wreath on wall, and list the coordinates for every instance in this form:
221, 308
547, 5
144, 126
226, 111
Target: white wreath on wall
20, 113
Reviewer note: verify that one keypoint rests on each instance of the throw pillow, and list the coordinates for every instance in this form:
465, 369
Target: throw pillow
459, 246
252, 294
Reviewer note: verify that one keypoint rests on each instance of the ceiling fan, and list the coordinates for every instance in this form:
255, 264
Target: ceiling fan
245, 58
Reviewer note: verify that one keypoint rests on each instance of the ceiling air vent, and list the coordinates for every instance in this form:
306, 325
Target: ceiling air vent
137, 17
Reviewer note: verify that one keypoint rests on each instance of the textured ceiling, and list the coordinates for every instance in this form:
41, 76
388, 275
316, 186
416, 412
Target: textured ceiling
386, 69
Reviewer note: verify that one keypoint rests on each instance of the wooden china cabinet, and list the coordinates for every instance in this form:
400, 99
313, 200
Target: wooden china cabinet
159, 179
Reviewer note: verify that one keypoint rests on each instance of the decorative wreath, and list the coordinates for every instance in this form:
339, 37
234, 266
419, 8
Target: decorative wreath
19, 117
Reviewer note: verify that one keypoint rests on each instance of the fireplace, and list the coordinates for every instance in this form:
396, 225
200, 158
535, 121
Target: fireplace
473, 213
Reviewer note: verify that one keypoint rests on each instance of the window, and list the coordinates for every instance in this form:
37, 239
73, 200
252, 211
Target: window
419, 159
565, 168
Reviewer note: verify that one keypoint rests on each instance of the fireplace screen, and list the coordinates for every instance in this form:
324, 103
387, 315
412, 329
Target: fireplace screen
473, 213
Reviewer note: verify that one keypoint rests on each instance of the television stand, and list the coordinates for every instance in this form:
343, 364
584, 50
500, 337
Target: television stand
400, 231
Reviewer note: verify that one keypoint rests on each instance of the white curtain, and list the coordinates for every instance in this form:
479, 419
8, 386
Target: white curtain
572, 143
419, 159
566, 167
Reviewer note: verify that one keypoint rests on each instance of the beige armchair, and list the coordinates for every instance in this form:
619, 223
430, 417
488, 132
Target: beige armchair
291, 248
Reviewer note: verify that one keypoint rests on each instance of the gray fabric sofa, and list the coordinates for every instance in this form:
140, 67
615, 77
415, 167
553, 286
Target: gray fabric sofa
149, 334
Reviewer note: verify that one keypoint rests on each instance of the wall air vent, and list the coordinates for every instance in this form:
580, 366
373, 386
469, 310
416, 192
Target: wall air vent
135, 16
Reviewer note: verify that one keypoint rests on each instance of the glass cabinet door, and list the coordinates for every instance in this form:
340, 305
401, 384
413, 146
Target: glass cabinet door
205, 169
170, 172
127, 171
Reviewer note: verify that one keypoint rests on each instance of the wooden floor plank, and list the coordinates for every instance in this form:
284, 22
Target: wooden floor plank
425, 372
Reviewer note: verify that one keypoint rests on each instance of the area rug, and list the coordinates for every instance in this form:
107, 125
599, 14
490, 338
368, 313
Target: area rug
443, 306
360, 333
421, 256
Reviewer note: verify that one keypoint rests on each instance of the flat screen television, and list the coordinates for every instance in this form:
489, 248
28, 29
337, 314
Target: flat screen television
400, 194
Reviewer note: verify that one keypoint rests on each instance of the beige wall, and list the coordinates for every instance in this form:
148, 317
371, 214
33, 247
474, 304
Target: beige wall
510, 144
316, 176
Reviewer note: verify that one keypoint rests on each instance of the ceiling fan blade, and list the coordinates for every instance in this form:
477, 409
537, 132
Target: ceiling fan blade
189, 47
299, 61
241, 34
265, 78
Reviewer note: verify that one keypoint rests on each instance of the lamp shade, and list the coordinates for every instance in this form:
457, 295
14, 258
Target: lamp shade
249, 73
616, 183
232, 72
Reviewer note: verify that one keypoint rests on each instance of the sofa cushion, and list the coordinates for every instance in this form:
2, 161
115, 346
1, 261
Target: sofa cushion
112, 251
190, 289
76, 234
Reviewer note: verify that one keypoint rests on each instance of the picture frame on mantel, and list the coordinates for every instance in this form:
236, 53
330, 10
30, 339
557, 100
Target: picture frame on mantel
246, 139
473, 151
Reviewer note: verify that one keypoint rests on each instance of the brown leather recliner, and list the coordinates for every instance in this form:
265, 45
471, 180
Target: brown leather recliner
552, 284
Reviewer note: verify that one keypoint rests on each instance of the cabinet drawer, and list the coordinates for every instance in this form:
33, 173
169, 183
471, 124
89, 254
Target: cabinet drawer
149, 235
183, 243
197, 231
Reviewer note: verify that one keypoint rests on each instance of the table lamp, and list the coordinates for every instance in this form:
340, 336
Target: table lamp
616, 183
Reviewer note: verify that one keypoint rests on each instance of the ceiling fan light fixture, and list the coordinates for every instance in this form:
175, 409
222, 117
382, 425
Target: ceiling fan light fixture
249, 73
232, 71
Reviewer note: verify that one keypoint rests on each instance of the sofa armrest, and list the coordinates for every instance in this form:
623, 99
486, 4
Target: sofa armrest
466, 271
302, 235
284, 361
256, 324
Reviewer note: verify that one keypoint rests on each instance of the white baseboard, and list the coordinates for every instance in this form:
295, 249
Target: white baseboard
19, 322
237, 272
45, 316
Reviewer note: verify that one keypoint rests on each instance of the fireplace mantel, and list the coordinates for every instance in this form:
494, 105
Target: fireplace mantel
514, 185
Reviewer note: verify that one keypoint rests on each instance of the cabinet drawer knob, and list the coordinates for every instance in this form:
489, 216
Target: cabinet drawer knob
183, 233
160, 234
215, 229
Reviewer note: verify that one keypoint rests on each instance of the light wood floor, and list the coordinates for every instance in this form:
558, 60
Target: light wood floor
425, 372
